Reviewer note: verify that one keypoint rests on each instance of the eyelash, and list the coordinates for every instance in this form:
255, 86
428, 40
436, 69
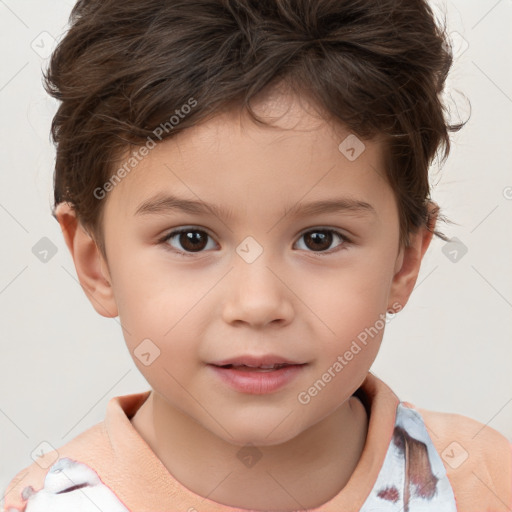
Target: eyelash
346, 241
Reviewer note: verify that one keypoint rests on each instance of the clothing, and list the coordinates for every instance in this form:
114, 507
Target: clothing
413, 460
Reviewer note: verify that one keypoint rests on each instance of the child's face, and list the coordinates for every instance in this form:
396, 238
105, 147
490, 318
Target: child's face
304, 298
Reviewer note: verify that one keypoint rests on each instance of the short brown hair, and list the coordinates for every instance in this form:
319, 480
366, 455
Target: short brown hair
124, 67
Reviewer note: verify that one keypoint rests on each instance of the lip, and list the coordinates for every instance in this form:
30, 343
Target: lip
258, 382
254, 360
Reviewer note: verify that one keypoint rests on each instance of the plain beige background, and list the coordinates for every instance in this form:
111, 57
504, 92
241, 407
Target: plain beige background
449, 350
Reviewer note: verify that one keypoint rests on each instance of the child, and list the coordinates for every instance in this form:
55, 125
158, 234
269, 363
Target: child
263, 128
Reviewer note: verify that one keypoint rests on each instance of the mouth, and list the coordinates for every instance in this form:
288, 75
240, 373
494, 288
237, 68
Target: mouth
252, 361
257, 379
259, 368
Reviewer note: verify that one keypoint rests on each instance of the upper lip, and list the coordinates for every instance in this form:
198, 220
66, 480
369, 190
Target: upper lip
250, 360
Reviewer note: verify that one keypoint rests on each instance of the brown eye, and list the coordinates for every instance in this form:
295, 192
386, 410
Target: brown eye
317, 240
193, 240
320, 240
188, 240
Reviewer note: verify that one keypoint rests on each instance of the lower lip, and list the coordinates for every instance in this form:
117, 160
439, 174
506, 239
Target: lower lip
258, 382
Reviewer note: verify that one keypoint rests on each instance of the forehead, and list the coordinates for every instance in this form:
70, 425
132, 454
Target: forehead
230, 158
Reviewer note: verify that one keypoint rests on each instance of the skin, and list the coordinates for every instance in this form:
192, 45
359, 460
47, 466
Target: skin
296, 300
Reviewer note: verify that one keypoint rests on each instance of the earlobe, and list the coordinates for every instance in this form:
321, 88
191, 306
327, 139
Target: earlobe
409, 263
91, 269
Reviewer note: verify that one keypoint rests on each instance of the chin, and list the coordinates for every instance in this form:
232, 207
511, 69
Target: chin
258, 435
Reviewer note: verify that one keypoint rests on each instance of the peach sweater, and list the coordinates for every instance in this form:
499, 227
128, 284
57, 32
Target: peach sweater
413, 460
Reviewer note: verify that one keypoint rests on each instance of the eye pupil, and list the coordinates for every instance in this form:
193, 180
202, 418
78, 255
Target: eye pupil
191, 240
322, 239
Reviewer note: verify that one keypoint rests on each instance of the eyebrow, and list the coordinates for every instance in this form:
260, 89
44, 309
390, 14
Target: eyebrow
165, 203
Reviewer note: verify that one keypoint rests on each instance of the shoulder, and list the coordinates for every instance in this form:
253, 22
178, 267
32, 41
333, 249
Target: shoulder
86, 469
81, 454
477, 459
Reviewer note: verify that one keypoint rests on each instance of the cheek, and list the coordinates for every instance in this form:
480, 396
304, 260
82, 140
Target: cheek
158, 305
353, 296
353, 308
145, 288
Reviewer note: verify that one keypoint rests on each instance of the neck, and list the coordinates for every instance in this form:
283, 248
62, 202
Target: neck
304, 472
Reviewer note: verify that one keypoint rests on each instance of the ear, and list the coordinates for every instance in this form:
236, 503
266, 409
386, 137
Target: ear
409, 261
91, 267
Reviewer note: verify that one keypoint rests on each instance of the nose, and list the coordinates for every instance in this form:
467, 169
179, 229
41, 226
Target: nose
257, 294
